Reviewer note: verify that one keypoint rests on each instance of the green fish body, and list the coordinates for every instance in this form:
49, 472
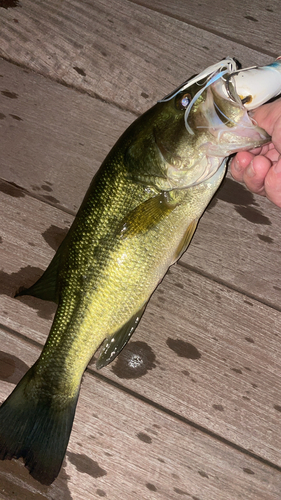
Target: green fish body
136, 220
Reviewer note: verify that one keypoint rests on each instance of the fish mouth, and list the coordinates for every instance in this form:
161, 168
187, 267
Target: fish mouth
225, 119
204, 80
218, 123
251, 87
248, 88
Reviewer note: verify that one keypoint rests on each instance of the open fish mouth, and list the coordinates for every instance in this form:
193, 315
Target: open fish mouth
248, 88
216, 73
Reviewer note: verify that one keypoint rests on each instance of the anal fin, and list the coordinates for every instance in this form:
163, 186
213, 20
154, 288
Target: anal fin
114, 344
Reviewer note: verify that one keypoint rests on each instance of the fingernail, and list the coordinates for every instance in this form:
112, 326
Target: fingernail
235, 164
250, 171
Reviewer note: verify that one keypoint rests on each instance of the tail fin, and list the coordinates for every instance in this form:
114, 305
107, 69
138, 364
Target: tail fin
36, 426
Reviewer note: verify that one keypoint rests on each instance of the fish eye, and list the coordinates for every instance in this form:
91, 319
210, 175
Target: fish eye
183, 101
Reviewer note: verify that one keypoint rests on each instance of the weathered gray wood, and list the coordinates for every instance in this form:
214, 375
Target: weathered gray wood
238, 242
121, 447
53, 139
203, 353
122, 52
255, 24
61, 138
207, 353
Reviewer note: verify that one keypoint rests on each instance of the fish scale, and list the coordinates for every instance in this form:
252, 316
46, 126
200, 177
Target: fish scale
137, 218
131, 271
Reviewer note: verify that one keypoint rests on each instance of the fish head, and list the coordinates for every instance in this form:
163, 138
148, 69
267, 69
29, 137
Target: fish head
202, 123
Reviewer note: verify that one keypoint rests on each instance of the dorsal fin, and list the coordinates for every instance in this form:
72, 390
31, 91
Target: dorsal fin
46, 287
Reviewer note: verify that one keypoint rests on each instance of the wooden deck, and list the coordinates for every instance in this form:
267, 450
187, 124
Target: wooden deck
191, 409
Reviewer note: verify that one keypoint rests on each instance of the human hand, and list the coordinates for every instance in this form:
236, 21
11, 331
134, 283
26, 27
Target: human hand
260, 168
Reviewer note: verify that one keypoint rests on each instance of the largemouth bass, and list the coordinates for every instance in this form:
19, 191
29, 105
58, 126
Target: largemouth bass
136, 220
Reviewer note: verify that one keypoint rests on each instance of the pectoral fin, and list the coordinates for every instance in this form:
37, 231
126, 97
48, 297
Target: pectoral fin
147, 214
185, 240
114, 344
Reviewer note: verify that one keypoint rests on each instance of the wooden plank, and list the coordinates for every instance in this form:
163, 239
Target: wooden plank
119, 51
58, 143
237, 242
208, 353
121, 447
51, 133
246, 22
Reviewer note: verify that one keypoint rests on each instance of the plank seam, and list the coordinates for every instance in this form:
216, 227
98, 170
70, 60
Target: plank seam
157, 406
234, 288
185, 420
183, 265
80, 90
38, 197
206, 29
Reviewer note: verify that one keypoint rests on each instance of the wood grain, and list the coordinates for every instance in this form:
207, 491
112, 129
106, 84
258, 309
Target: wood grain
191, 408
120, 447
53, 140
254, 24
121, 52
195, 331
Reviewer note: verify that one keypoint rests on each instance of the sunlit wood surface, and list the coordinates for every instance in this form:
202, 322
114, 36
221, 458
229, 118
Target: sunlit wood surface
191, 409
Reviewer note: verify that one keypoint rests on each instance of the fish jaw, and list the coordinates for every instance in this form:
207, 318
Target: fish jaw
216, 125
248, 89
229, 125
